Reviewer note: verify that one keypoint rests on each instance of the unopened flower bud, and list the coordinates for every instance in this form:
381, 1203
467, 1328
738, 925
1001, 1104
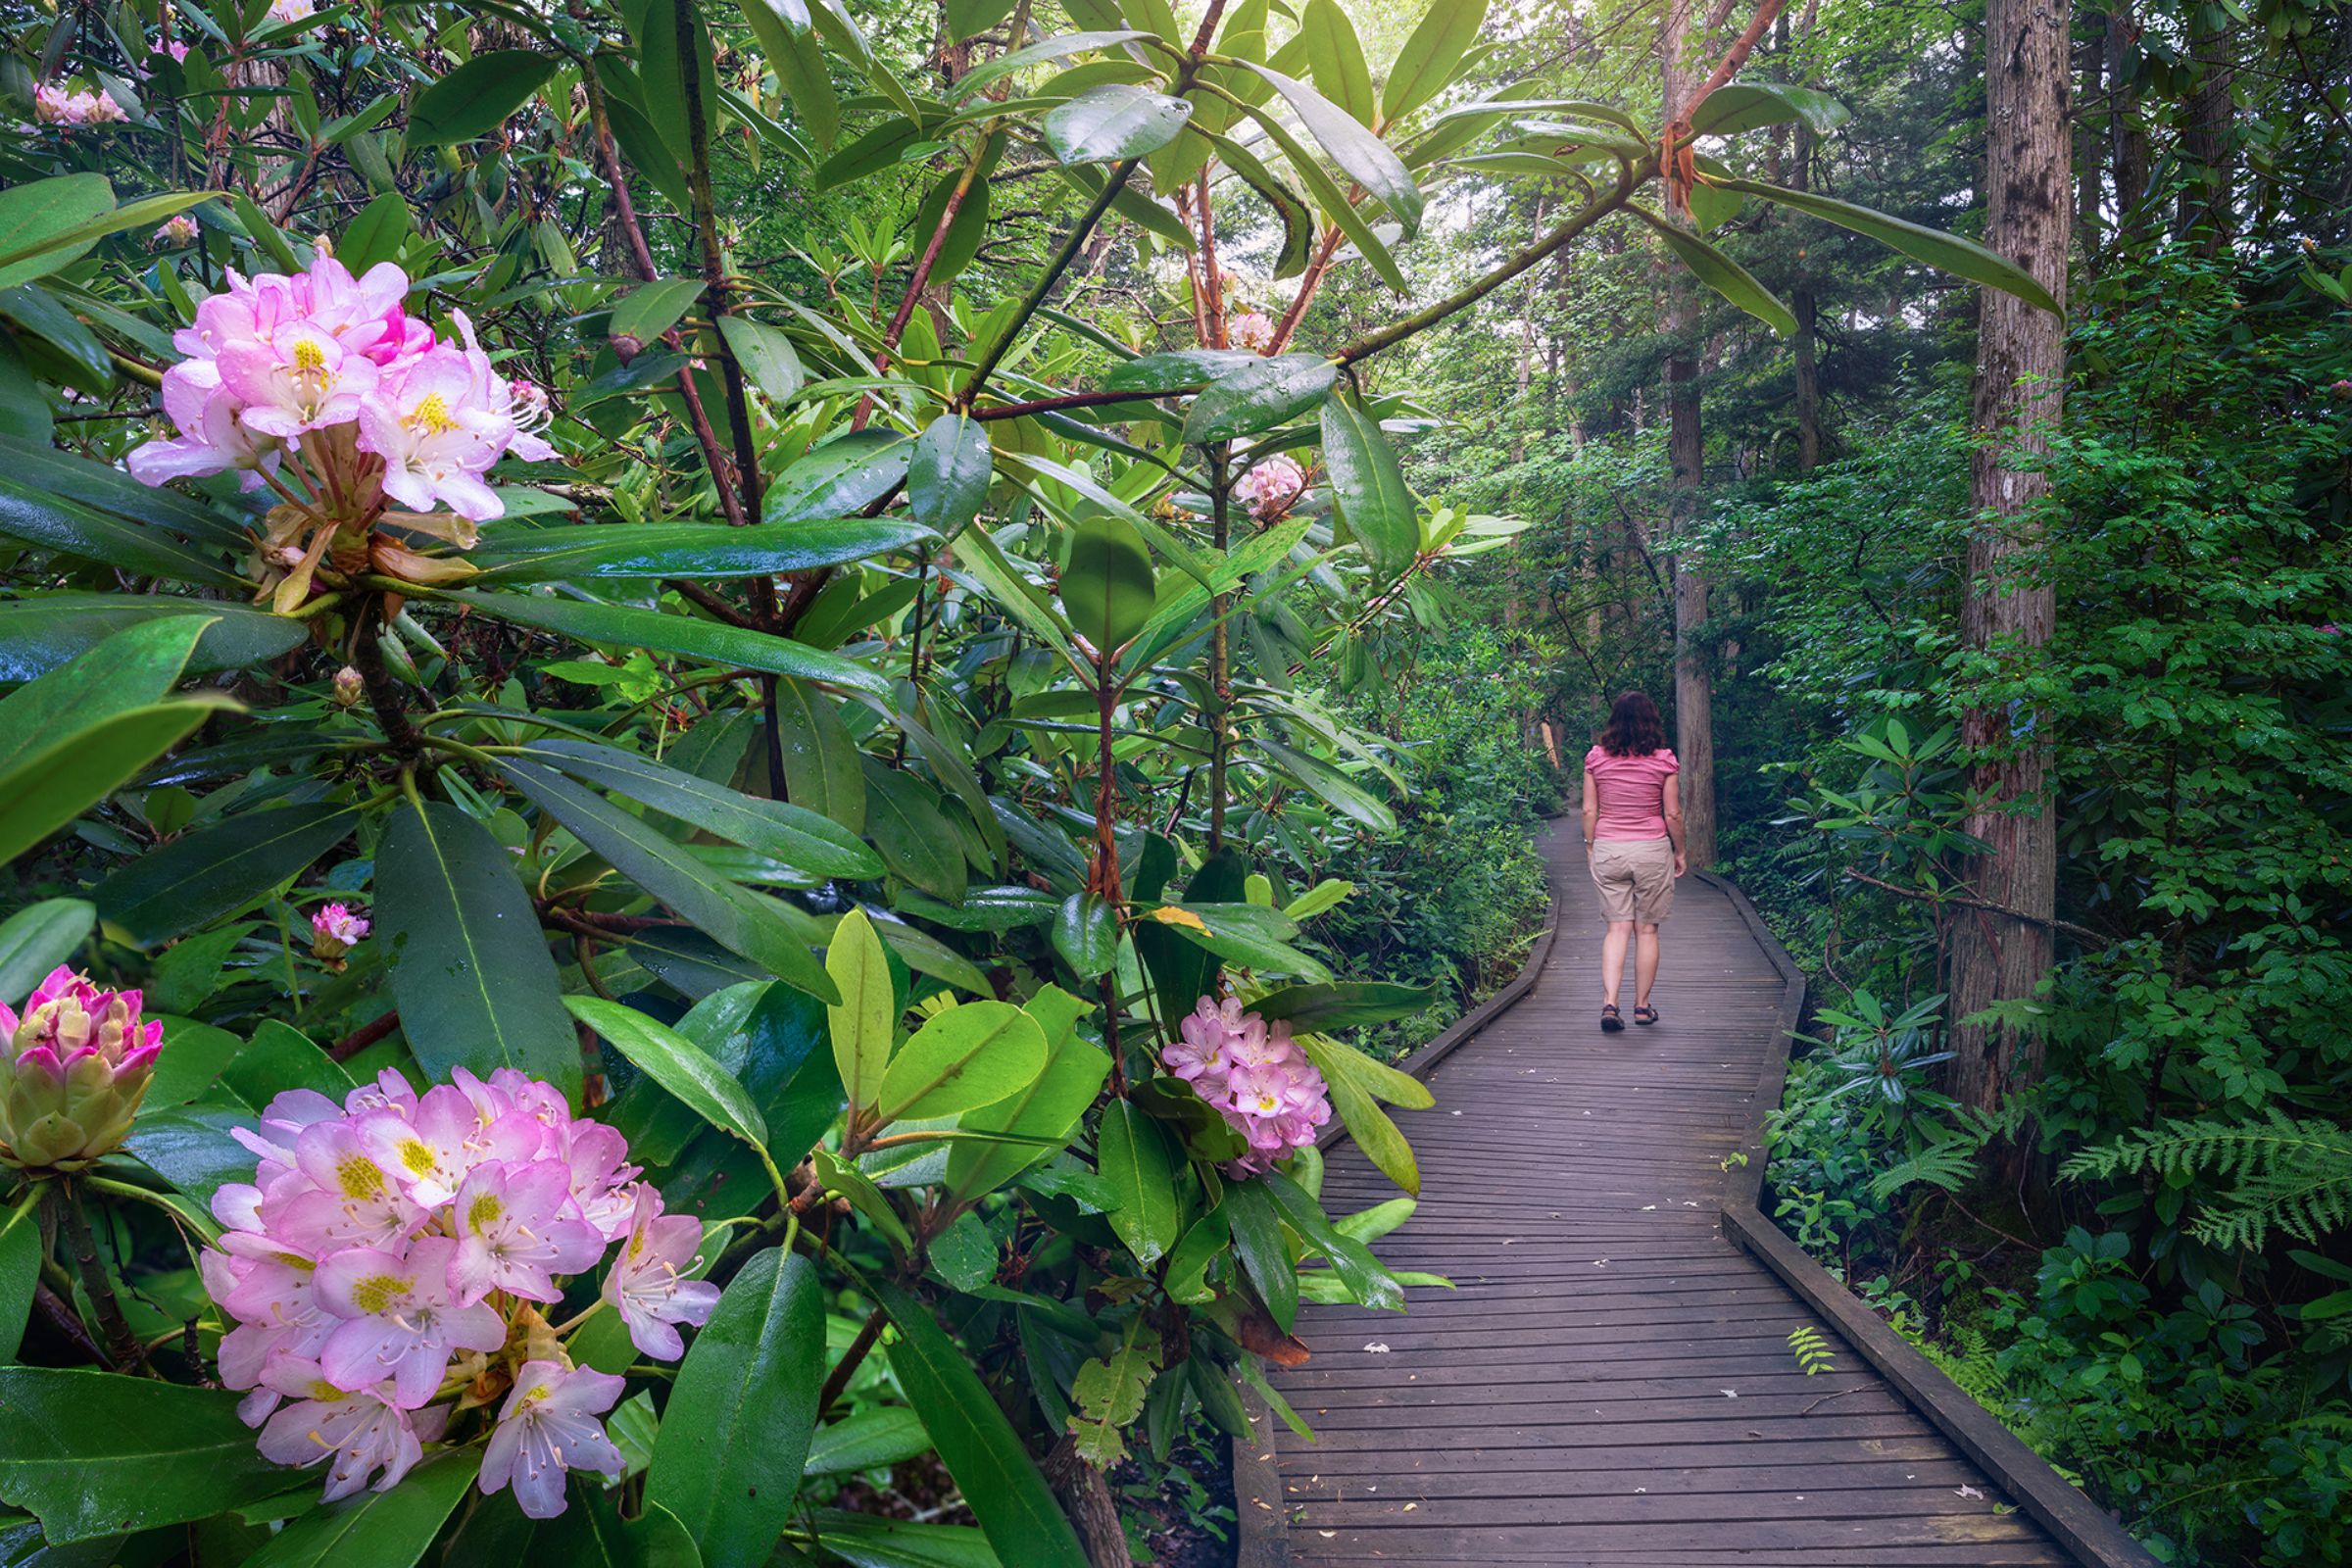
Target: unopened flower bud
74, 1066
336, 930
625, 348
349, 687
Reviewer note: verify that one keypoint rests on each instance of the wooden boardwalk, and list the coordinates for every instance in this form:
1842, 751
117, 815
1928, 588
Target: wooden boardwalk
1610, 1381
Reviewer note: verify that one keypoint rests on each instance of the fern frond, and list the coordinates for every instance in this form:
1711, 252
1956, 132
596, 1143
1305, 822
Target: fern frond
2284, 1174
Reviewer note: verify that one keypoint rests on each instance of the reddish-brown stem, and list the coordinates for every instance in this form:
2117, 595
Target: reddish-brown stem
838, 1380
365, 1035
1208, 266
1308, 282
625, 211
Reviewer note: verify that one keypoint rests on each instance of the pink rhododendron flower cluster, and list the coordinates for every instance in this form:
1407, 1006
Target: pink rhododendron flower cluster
1271, 488
387, 1265
177, 229
1257, 1077
73, 106
336, 929
74, 1066
1253, 330
321, 386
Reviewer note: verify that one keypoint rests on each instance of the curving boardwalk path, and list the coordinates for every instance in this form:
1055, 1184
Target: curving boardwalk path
1610, 1381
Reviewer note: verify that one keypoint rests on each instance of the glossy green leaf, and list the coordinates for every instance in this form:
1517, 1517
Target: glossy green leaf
999, 1479
864, 1021
41, 632
1337, 790
41, 224
1259, 396
1742, 105
1721, 274
21, 1253
1366, 1278
1335, 58
468, 969
215, 871
735, 1431
37, 939
739, 920
903, 817
1367, 485
1106, 584
191, 1148
797, 58
1374, 1132
1946, 253
1363, 157
1047, 1109
651, 551
653, 308
476, 98
1059, 48
1178, 371
731, 647
788, 833
946, 478
93, 1454
1344, 1005
1114, 122
840, 478
677, 1064
963, 1059
823, 766
392, 1529
134, 668
1332, 201
1426, 64
869, 1439
1132, 1154
1086, 933
1257, 1237
767, 356
79, 764
35, 516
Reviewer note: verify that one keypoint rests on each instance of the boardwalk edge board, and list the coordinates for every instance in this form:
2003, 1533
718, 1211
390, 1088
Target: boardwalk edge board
1263, 1530
2071, 1518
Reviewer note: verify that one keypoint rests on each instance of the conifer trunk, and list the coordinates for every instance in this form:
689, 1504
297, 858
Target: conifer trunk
1685, 451
2008, 608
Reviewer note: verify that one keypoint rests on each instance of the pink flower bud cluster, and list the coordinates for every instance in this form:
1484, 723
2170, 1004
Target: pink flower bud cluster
1271, 488
386, 1266
380, 406
177, 229
73, 106
1251, 330
74, 1066
1257, 1077
336, 929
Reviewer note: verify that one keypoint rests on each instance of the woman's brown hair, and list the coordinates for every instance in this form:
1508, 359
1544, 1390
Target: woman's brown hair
1633, 728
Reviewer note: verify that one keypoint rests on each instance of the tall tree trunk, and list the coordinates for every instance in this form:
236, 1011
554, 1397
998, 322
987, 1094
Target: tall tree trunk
2208, 211
2008, 607
2126, 136
1685, 449
1805, 306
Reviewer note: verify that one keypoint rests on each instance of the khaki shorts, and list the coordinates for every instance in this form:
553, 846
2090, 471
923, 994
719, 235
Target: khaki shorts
1636, 878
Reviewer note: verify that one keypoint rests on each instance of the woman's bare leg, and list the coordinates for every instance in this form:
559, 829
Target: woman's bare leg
1645, 962
1612, 958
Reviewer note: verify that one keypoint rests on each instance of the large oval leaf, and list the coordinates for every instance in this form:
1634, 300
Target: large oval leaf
82, 762
1368, 487
470, 971
1106, 586
999, 1479
965, 1057
735, 1432
620, 626
1114, 122
1258, 396
37, 939
42, 631
685, 549
843, 476
476, 98
662, 867
946, 481
52, 521
677, 1064
1132, 1154
93, 1454
865, 1021
796, 837
217, 870
1046, 1110
1721, 274
377, 1529
823, 769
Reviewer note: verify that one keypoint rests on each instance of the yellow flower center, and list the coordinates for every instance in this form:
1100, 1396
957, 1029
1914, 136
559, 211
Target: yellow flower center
359, 1177
377, 1292
432, 416
308, 358
484, 1208
418, 1155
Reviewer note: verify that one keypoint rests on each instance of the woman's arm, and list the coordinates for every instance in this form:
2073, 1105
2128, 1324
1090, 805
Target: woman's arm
1591, 808
1670, 803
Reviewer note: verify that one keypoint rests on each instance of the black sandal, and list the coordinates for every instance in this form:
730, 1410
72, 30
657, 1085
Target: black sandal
1610, 1023
1641, 1007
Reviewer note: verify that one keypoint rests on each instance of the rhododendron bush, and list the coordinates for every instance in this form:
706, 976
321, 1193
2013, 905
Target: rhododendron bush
669, 766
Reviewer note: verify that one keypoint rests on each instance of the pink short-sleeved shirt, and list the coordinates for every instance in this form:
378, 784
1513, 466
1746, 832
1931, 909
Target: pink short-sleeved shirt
1631, 794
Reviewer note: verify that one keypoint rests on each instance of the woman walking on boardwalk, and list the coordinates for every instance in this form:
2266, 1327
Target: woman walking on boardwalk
1633, 840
